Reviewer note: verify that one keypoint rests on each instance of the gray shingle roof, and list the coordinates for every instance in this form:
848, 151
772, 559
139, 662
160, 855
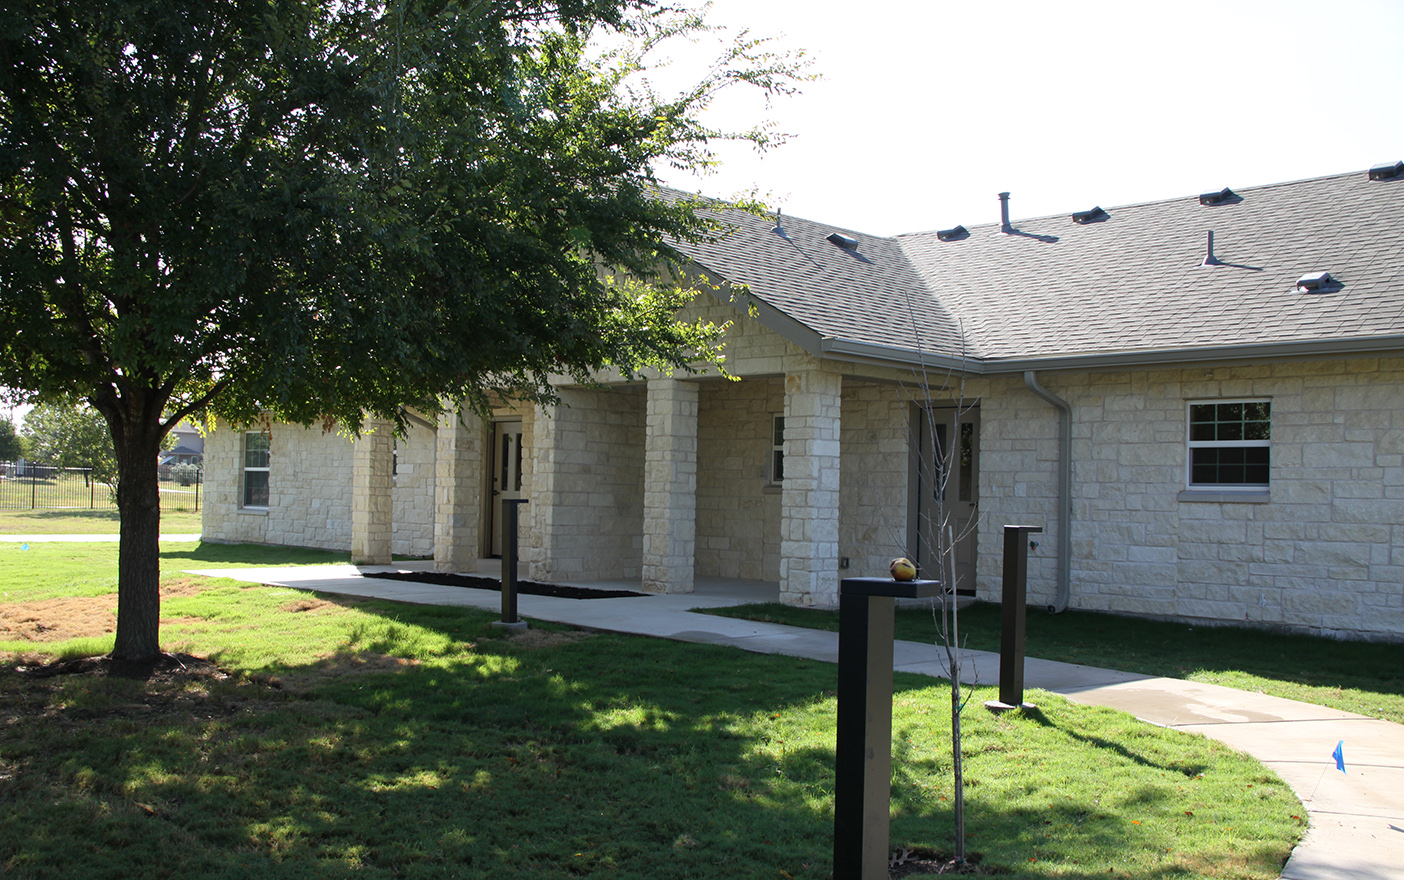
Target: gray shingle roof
1129, 285
872, 293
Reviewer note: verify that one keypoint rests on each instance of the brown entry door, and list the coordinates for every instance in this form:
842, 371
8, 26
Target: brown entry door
506, 474
947, 506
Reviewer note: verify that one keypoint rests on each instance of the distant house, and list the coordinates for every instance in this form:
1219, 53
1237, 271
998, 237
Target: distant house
189, 446
1200, 401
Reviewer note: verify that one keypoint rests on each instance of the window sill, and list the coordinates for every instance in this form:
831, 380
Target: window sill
772, 488
253, 511
1246, 496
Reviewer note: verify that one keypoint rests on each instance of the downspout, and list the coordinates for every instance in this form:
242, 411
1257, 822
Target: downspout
1060, 602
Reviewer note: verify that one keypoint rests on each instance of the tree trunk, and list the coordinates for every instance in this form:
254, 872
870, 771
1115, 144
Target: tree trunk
139, 561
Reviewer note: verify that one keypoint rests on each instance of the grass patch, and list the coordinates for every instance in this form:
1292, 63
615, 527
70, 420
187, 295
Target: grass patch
102, 521
1363, 677
380, 740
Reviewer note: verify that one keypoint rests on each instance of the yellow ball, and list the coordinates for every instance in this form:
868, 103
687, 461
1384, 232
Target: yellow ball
902, 569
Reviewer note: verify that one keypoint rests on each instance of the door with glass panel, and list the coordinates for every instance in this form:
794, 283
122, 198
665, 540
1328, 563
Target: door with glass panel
947, 506
506, 474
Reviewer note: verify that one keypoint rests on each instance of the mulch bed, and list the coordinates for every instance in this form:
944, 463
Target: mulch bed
920, 862
530, 588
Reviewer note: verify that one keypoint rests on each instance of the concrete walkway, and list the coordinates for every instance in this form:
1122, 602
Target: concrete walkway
1356, 818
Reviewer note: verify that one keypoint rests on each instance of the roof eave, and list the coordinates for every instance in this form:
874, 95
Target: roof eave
837, 349
1222, 354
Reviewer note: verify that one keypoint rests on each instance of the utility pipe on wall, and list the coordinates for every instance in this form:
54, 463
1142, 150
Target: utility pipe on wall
1064, 577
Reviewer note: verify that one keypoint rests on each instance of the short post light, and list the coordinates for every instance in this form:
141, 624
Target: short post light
863, 752
509, 565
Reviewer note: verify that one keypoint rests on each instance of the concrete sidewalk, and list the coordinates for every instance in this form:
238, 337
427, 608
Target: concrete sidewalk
1356, 818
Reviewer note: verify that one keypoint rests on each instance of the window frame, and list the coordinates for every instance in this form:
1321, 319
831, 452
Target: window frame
245, 469
1218, 489
775, 467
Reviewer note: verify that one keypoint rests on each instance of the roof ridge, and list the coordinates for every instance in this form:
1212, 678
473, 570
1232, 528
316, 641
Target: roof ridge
1149, 203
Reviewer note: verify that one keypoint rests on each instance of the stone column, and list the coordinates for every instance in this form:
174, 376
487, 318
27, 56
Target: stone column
555, 512
809, 502
670, 486
372, 518
458, 492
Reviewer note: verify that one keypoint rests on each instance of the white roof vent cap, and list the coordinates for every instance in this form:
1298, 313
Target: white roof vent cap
1316, 282
1387, 171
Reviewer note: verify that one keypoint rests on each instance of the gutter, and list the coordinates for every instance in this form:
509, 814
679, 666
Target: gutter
836, 348
1064, 592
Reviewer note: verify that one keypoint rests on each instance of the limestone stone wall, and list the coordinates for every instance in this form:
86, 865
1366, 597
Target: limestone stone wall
874, 477
738, 508
587, 486
413, 495
1322, 554
221, 519
309, 491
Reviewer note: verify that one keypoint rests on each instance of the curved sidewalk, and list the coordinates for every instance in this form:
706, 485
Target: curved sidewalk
1356, 818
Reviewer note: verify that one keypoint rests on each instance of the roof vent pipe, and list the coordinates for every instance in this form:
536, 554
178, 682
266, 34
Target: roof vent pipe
1209, 258
1004, 213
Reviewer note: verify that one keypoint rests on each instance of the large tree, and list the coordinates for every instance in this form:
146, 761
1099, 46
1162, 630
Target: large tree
321, 209
10, 448
72, 437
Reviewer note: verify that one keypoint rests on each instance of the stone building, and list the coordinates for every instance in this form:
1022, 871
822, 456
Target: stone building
1200, 401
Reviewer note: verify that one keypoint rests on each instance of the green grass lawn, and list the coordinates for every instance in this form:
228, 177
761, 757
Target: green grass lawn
1362, 677
377, 740
103, 521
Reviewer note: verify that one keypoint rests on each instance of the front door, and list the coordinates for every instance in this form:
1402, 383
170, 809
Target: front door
947, 505
506, 474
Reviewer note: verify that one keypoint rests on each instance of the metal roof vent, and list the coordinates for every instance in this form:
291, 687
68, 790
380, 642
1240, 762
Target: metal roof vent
1091, 216
1386, 170
843, 241
952, 234
1317, 282
1218, 198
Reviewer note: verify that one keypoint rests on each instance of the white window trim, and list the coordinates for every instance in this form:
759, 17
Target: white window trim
244, 470
1248, 492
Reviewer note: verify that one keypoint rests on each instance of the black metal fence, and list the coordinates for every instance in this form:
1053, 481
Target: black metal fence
28, 486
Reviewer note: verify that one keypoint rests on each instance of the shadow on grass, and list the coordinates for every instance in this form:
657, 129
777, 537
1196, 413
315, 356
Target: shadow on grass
431, 744
46, 515
206, 552
1149, 647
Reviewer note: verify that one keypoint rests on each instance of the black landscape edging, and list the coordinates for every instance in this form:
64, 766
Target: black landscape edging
531, 588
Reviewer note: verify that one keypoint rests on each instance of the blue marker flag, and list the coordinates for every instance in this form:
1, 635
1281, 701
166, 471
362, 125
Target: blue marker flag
1339, 755
24, 546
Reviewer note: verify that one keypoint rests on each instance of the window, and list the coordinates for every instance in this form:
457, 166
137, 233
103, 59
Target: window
256, 455
777, 451
1229, 444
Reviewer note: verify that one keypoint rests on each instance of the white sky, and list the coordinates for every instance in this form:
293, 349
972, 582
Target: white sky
929, 108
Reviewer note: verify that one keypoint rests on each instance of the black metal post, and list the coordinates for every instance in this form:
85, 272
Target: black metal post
1012, 611
863, 750
509, 562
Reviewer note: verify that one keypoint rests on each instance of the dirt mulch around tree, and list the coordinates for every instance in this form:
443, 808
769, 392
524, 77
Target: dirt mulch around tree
73, 617
922, 862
